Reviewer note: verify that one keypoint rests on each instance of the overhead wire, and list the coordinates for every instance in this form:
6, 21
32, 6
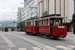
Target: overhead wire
12, 8
16, 5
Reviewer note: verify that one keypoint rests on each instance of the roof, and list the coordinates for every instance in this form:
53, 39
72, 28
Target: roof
51, 15
32, 19
54, 17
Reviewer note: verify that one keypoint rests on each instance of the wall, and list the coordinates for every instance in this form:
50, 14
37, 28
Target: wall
29, 11
63, 7
19, 14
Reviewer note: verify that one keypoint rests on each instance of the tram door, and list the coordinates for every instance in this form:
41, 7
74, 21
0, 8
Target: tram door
37, 24
51, 25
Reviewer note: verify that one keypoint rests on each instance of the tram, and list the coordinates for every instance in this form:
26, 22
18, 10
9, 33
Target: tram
46, 26
6, 29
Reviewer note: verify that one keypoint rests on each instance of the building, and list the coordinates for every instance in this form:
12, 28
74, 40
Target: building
29, 11
63, 7
27, 2
19, 14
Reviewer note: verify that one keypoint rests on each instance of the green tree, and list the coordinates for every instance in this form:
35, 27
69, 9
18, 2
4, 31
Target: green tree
45, 13
21, 24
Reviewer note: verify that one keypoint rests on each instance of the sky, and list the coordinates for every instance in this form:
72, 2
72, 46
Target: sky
9, 9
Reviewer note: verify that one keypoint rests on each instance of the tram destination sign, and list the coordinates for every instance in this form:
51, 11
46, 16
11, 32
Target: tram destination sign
61, 27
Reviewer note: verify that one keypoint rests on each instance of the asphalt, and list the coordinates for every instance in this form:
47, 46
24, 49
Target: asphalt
22, 40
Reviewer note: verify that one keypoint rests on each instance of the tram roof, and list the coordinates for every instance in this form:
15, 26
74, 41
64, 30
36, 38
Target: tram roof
31, 20
54, 17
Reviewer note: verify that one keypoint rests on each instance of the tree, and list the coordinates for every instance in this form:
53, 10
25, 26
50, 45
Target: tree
22, 24
45, 13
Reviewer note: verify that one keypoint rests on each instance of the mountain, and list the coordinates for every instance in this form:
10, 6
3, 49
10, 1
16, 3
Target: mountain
7, 22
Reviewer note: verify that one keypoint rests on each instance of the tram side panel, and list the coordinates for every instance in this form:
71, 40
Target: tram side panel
28, 28
44, 29
35, 29
59, 30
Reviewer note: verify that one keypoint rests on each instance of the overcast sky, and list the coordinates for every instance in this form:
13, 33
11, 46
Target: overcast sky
9, 9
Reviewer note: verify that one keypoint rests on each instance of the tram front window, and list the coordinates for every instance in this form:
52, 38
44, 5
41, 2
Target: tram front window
58, 22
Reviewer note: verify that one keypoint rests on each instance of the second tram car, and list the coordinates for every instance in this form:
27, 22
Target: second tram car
31, 26
47, 26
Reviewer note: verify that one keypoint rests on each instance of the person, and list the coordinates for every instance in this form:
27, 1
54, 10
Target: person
57, 23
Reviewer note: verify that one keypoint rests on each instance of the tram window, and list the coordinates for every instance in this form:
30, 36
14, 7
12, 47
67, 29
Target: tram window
47, 22
44, 22
25, 23
33, 23
51, 22
40, 22
54, 22
29, 23
60, 22
36, 23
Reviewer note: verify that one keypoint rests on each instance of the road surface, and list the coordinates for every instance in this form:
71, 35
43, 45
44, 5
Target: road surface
22, 41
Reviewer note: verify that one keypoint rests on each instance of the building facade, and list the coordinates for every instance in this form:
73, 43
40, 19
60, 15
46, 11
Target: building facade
29, 11
19, 14
27, 2
63, 7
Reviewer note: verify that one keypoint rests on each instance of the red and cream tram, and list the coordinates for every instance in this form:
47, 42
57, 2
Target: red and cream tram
47, 26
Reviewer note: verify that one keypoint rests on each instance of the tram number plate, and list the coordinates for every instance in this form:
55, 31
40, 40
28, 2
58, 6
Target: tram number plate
61, 27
